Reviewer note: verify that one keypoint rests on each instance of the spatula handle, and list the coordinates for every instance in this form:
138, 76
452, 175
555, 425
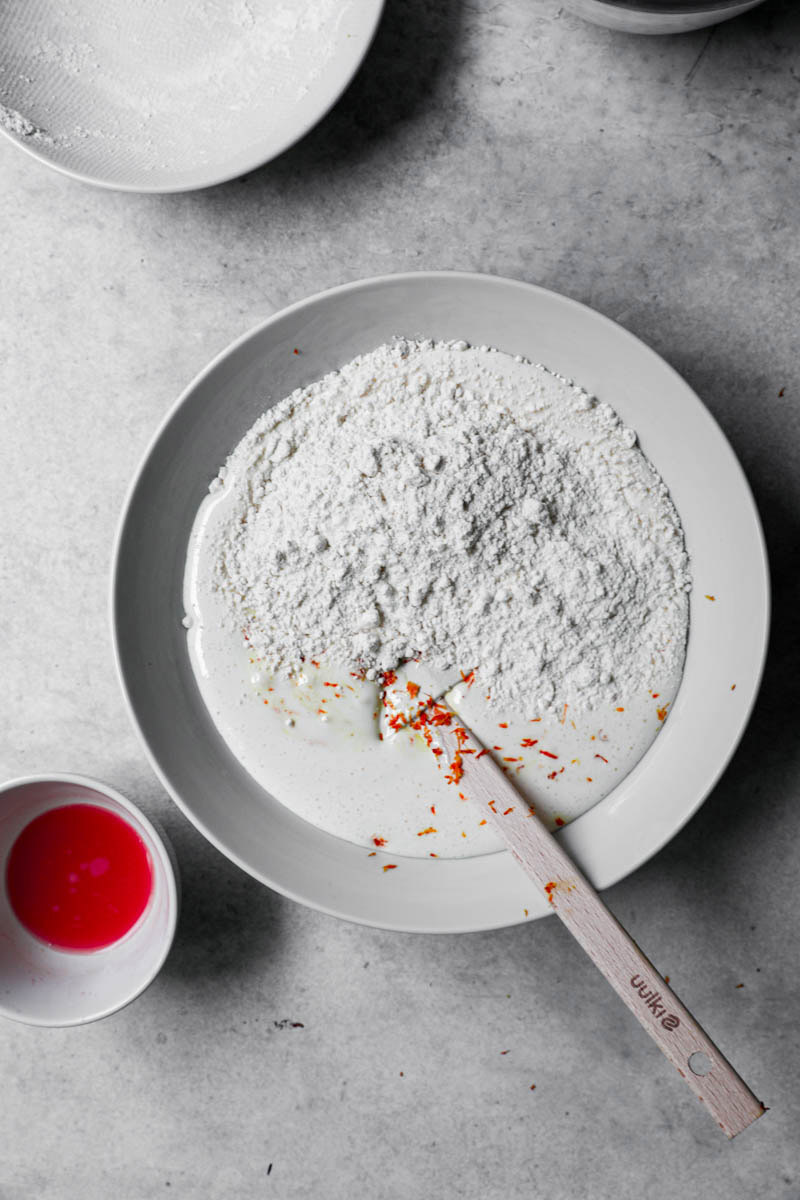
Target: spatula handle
671, 1026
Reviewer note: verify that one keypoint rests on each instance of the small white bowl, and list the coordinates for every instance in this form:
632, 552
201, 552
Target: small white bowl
44, 986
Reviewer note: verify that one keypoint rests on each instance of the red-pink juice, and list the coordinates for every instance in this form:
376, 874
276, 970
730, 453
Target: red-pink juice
79, 877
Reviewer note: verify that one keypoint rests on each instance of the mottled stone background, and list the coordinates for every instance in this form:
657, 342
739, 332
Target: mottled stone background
655, 179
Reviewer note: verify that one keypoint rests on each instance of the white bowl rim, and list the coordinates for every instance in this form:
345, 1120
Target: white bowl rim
160, 845
761, 637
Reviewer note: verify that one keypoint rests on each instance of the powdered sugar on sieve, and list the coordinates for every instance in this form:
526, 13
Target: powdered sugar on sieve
451, 503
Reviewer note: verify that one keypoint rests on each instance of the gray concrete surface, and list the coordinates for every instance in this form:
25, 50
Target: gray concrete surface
653, 179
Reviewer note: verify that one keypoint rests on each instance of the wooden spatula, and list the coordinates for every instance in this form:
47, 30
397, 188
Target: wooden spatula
671, 1026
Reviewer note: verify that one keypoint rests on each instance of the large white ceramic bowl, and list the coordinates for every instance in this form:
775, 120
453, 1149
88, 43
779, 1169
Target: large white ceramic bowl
726, 643
171, 95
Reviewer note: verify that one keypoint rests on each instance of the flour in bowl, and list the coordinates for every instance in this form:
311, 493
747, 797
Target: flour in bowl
431, 500
458, 505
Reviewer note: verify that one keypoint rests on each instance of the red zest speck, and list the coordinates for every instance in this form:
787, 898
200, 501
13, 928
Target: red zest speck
661, 713
559, 821
379, 841
390, 867
547, 754
502, 724
605, 760
508, 810
526, 743
512, 760
620, 710
481, 753
430, 829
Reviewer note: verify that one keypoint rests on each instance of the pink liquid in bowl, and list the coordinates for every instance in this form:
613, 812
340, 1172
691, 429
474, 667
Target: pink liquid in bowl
79, 877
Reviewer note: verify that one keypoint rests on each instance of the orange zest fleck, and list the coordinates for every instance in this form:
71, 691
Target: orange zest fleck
526, 743
379, 841
661, 713
430, 829
390, 867
547, 754
412, 689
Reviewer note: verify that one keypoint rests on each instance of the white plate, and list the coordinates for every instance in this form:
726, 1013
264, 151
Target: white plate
169, 96
727, 640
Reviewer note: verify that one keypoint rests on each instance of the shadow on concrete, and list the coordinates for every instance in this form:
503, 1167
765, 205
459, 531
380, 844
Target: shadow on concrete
414, 52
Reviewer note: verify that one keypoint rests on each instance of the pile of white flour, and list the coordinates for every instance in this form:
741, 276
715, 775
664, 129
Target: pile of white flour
452, 503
